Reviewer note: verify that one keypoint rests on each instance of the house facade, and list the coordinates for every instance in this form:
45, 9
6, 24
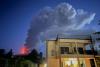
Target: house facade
96, 41
69, 52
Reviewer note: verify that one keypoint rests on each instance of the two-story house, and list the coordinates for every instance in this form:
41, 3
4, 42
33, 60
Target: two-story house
70, 52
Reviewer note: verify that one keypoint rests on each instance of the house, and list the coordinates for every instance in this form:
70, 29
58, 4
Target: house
33, 59
96, 42
70, 52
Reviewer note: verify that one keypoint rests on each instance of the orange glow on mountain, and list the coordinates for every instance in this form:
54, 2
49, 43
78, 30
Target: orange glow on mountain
24, 50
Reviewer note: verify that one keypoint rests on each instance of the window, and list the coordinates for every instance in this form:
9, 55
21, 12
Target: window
52, 53
64, 50
80, 50
92, 62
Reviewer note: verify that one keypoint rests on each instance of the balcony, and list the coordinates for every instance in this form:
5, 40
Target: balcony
79, 50
76, 56
80, 54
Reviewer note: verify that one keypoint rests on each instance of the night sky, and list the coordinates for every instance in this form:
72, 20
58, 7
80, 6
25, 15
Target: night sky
16, 15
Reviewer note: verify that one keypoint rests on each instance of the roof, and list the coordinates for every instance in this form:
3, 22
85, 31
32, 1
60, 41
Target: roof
78, 37
82, 37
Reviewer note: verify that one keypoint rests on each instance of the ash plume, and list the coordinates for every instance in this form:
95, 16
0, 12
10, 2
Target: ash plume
52, 21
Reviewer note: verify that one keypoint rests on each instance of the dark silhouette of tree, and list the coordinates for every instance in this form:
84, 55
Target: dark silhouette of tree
41, 57
9, 54
33, 56
2, 52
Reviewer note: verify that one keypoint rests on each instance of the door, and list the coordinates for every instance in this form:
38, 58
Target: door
92, 63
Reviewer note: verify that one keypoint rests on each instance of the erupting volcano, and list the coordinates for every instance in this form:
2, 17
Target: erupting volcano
24, 50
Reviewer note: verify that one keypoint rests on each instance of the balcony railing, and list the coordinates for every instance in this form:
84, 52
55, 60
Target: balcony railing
86, 52
76, 55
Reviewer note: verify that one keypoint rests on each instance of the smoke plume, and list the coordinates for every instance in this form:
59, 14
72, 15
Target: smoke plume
52, 21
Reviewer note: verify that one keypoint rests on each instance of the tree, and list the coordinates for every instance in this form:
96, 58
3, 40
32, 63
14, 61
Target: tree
9, 54
33, 56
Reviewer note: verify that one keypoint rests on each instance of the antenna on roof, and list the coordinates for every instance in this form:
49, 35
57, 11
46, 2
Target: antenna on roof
57, 37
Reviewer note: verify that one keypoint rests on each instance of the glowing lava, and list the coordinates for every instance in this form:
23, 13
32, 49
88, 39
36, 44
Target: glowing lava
24, 50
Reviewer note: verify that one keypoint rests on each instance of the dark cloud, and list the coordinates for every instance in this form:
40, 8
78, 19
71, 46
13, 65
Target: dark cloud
52, 21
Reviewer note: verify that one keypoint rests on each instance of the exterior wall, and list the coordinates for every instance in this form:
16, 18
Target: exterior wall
54, 55
53, 46
87, 61
75, 40
51, 49
53, 62
43, 65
